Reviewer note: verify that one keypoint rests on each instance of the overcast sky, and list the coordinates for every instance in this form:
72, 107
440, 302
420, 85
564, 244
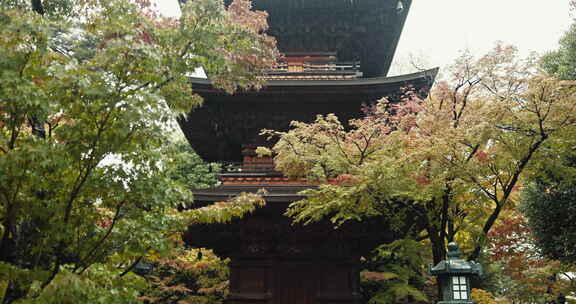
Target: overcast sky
437, 30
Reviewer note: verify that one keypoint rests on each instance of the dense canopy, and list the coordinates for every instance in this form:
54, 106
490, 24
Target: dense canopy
89, 91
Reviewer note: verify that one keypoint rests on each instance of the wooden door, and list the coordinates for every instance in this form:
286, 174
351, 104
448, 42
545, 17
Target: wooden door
296, 283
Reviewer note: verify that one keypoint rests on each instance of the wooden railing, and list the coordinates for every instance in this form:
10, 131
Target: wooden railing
319, 67
242, 168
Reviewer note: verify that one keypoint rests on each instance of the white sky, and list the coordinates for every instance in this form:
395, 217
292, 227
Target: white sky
436, 31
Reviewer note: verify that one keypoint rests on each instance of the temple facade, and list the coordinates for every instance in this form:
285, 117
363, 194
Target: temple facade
336, 56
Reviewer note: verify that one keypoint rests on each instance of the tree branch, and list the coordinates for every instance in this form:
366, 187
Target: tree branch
101, 241
506, 195
127, 270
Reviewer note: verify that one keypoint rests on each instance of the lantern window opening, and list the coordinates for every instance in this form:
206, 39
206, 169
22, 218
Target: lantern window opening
459, 288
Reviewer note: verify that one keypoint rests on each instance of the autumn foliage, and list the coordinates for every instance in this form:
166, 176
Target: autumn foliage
530, 276
456, 159
89, 92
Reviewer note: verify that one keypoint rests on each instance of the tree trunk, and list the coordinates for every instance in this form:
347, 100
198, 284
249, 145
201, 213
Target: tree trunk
438, 249
38, 7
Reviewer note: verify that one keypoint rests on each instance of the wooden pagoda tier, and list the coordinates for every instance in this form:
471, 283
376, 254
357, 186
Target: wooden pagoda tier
367, 31
336, 54
274, 261
225, 124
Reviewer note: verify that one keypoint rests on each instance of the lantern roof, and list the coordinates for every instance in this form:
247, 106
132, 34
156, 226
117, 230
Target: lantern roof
455, 265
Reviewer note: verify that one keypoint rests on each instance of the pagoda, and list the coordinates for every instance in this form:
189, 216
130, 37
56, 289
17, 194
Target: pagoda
336, 57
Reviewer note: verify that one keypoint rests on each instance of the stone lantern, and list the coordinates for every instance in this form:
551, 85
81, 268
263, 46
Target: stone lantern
454, 276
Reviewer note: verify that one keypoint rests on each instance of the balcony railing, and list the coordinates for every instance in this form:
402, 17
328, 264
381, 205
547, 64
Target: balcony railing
238, 168
315, 70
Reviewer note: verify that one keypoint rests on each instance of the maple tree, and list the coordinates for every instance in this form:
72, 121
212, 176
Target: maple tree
527, 275
88, 91
188, 276
393, 273
455, 159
